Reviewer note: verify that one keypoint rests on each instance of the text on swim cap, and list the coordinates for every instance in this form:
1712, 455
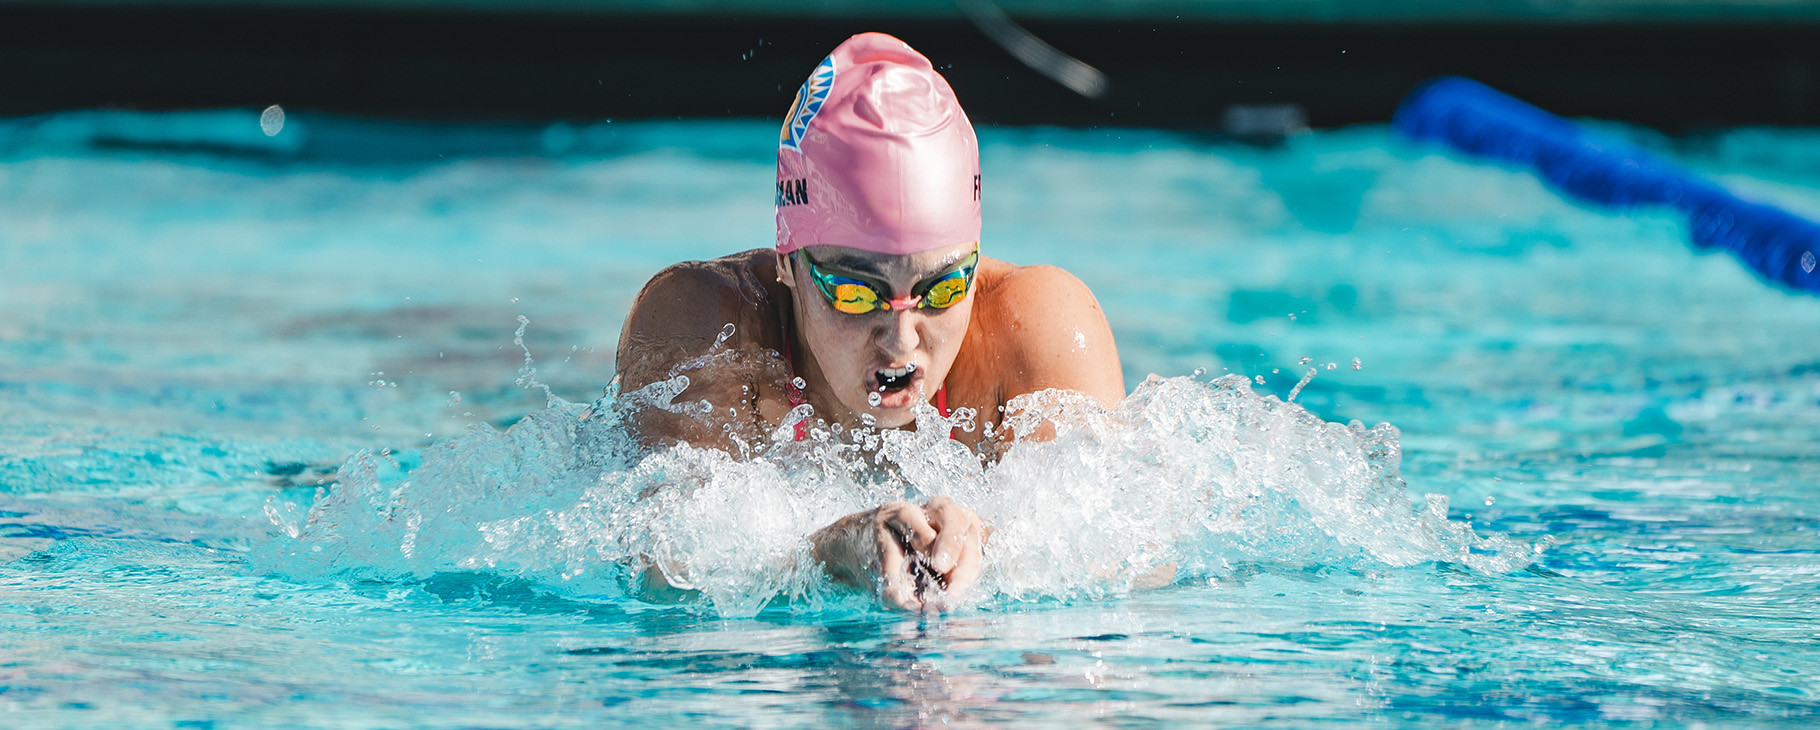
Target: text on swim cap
792, 192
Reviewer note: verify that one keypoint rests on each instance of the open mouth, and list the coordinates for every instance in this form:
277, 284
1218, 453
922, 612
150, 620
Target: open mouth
893, 380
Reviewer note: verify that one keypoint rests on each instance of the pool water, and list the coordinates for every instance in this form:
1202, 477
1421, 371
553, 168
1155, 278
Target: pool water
258, 460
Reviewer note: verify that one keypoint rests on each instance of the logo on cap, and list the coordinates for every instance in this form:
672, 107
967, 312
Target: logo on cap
809, 100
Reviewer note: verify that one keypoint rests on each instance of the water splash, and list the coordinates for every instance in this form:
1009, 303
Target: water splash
1185, 481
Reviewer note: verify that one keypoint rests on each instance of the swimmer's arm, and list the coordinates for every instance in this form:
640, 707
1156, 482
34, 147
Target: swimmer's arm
1065, 342
1058, 338
676, 317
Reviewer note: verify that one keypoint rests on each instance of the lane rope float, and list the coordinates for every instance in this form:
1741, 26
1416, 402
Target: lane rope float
1475, 119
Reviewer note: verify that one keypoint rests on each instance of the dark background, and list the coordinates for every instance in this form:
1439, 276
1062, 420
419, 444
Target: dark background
493, 65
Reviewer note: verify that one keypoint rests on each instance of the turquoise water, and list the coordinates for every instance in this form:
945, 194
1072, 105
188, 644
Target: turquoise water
1596, 502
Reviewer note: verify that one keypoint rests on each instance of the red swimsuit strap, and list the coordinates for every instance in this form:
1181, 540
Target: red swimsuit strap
795, 393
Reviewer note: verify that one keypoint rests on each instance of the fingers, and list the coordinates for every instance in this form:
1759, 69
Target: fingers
928, 556
911, 526
951, 523
958, 550
903, 533
895, 586
967, 567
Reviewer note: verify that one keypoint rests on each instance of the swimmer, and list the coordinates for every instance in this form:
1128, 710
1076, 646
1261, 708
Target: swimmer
877, 298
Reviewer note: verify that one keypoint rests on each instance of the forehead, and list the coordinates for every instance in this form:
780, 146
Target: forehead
889, 266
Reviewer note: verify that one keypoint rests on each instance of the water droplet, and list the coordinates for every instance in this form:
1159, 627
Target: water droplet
1260, 379
1305, 361
271, 121
1807, 261
873, 399
725, 332
911, 367
1274, 371
1198, 372
866, 419
1356, 364
1489, 501
799, 383
1332, 365
1292, 316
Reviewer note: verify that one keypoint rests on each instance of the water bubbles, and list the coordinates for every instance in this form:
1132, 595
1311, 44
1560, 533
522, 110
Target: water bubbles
1332, 365
271, 121
725, 332
1198, 372
1489, 501
454, 397
799, 383
1356, 364
1297, 390
1259, 378
873, 399
1274, 371
968, 419
1304, 360
1807, 261
585, 498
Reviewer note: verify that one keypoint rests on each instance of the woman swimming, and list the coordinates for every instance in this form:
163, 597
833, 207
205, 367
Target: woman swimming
878, 299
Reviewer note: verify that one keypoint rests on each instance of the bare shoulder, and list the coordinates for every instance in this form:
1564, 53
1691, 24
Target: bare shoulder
681, 311
1050, 330
1051, 284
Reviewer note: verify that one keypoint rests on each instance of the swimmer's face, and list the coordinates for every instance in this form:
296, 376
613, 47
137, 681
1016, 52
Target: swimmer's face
862, 354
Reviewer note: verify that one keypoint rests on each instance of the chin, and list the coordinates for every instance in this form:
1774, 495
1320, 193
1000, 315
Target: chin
892, 417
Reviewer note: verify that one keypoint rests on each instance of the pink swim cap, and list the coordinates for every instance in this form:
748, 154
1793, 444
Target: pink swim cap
877, 155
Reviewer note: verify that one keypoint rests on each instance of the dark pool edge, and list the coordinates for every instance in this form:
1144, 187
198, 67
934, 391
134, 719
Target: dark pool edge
491, 66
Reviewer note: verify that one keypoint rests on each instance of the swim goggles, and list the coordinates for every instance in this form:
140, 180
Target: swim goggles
855, 295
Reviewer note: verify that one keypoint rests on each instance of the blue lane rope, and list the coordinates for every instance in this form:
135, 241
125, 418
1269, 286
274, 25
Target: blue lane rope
1478, 120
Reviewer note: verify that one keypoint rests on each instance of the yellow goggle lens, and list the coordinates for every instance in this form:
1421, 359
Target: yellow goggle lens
854, 298
947, 292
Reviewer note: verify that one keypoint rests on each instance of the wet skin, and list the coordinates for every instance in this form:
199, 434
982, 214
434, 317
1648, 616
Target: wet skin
1021, 329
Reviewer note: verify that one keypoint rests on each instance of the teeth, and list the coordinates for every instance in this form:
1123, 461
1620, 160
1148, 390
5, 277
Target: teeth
897, 372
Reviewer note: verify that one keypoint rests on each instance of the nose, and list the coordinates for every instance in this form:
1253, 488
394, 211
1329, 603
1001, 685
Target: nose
897, 336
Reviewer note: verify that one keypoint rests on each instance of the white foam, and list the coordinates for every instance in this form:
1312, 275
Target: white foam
1194, 481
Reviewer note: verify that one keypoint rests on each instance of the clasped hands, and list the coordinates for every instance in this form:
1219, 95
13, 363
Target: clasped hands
917, 558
